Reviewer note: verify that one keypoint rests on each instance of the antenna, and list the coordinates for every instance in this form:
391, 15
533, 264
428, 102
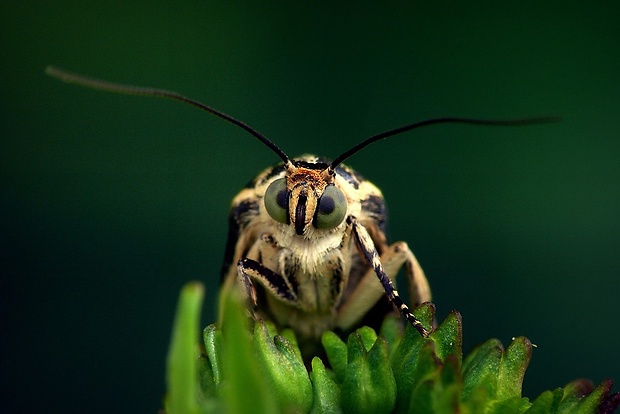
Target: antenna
445, 120
106, 86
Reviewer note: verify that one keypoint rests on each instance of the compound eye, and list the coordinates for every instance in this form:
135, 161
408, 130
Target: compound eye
332, 208
276, 200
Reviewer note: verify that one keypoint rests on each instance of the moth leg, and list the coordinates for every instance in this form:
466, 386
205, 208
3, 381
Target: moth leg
419, 289
369, 290
368, 293
249, 270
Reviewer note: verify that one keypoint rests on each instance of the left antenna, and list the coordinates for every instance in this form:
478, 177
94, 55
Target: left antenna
107, 86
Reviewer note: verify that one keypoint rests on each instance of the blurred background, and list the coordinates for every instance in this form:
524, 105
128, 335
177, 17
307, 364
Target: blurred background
110, 203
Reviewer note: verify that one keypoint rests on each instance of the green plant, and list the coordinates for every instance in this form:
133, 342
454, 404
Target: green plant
236, 371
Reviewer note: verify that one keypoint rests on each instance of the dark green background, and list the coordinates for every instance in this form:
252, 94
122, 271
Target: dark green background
110, 203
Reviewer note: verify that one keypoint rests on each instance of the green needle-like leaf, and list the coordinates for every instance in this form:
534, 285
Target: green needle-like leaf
392, 330
480, 371
405, 359
182, 369
424, 378
512, 368
336, 351
282, 370
368, 385
448, 337
243, 388
326, 391
212, 338
547, 402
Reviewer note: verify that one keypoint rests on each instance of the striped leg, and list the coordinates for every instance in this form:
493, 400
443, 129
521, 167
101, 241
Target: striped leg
367, 248
249, 270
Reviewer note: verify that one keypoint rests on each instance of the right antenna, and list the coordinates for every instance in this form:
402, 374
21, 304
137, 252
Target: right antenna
444, 120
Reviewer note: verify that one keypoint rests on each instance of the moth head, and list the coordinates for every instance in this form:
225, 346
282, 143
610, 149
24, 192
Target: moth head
306, 197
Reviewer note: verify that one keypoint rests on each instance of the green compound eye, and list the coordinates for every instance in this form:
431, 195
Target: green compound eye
276, 200
332, 208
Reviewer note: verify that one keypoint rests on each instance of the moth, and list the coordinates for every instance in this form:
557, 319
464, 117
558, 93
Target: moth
307, 242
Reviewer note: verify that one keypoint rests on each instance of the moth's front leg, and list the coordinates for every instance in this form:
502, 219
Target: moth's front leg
250, 271
368, 292
400, 255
